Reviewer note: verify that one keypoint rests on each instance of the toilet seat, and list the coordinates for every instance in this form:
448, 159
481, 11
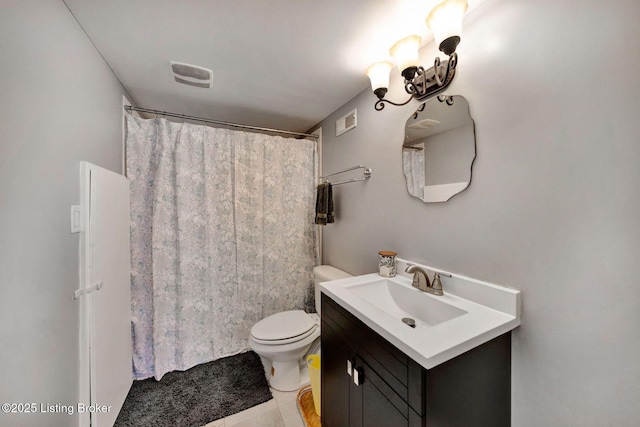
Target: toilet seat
284, 328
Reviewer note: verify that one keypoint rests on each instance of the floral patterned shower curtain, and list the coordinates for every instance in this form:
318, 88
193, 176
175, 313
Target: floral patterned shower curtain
413, 169
222, 235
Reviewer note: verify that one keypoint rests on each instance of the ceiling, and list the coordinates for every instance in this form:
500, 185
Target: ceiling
283, 64
447, 116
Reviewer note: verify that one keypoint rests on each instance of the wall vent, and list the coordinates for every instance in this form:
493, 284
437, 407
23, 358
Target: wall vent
346, 123
191, 75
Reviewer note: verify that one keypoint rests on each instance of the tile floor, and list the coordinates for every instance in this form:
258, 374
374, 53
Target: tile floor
281, 411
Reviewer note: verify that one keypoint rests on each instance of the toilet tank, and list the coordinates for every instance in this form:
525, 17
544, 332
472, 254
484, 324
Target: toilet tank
324, 273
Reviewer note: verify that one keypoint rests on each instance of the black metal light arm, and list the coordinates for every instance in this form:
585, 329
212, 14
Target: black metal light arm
422, 84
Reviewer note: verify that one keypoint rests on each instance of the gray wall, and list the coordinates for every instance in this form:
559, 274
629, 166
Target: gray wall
60, 104
553, 208
448, 156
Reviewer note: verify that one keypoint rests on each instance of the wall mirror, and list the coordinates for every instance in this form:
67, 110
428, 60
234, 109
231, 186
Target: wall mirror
439, 149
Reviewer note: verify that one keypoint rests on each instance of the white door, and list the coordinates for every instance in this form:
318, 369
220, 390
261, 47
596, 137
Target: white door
107, 308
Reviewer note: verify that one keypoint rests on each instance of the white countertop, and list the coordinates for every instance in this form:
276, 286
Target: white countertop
490, 311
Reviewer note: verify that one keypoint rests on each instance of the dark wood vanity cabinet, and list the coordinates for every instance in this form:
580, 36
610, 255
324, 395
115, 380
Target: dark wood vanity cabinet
368, 382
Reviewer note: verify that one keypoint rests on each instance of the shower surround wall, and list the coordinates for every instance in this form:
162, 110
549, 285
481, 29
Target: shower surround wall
60, 104
553, 205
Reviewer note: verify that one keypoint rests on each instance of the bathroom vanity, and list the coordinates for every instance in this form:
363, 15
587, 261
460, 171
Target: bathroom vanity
438, 374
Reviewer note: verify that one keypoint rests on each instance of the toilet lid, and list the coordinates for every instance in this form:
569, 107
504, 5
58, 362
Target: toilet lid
284, 326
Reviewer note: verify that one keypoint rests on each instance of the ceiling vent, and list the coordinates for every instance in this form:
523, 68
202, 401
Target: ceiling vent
424, 124
191, 75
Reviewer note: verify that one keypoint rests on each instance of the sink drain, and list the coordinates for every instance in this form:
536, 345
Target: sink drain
409, 321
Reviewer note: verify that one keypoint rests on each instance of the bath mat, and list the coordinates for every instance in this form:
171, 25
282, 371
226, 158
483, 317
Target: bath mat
306, 408
197, 396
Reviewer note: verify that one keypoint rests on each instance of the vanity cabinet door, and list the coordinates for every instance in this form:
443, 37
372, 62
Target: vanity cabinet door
336, 382
373, 402
384, 388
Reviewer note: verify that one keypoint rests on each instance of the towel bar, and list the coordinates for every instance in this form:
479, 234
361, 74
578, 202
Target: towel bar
366, 175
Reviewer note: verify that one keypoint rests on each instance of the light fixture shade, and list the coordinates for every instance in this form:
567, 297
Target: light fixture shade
405, 52
445, 20
379, 75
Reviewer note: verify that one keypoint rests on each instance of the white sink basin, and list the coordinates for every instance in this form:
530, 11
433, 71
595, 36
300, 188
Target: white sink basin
400, 301
470, 312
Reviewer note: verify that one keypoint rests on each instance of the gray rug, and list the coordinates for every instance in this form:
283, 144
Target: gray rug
198, 396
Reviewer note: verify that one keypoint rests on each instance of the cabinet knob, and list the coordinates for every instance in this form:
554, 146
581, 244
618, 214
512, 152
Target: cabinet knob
358, 376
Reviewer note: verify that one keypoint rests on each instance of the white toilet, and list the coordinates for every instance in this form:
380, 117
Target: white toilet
284, 339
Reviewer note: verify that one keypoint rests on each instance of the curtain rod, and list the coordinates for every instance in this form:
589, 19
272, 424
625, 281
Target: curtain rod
129, 108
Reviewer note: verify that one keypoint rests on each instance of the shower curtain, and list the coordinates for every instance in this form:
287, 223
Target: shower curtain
413, 169
222, 235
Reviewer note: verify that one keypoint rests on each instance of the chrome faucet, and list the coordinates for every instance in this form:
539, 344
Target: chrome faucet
422, 282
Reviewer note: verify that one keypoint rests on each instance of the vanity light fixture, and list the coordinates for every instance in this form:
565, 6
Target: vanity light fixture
445, 20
